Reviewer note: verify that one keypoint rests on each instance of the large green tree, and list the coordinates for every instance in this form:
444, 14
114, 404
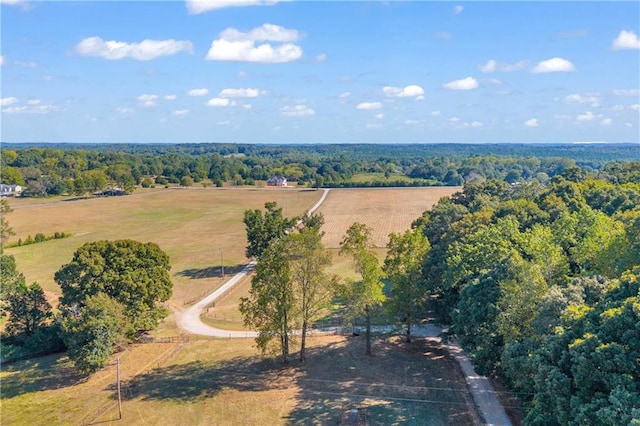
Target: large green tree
134, 274
264, 228
28, 309
365, 294
403, 266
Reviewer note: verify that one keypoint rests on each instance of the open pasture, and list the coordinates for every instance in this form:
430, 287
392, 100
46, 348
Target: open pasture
197, 228
384, 210
225, 382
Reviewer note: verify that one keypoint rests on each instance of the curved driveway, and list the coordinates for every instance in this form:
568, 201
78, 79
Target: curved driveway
479, 386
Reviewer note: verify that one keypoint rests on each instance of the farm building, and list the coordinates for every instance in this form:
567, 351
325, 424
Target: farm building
277, 181
10, 190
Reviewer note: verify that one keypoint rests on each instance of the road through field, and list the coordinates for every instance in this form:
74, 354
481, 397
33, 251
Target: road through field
480, 388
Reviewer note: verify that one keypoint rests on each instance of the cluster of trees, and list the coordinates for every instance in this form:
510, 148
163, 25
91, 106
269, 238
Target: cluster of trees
111, 292
541, 285
291, 288
81, 169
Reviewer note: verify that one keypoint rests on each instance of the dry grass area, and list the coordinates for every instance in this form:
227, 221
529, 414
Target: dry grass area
194, 226
225, 382
385, 210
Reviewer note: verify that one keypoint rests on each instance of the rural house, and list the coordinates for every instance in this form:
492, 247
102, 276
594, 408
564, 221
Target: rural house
10, 190
277, 181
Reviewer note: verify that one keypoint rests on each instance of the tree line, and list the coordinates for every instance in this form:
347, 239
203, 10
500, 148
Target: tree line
62, 169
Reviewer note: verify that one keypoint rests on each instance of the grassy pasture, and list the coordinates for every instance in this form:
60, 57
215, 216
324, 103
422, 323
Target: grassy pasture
385, 210
194, 226
225, 382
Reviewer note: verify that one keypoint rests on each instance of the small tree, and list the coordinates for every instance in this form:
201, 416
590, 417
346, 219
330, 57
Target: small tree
312, 286
28, 309
403, 266
91, 332
269, 307
365, 294
186, 181
5, 230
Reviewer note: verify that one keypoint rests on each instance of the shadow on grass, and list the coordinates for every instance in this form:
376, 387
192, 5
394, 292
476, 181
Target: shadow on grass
409, 384
197, 380
211, 272
415, 383
39, 374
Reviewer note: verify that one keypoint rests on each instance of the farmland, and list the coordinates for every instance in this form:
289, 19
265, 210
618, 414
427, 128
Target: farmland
209, 381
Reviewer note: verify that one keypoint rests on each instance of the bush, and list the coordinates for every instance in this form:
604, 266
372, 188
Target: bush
146, 183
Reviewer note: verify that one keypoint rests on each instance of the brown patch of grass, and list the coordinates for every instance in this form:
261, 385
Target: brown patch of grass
385, 210
194, 226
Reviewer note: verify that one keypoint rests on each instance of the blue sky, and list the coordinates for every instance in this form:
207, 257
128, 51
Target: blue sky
253, 71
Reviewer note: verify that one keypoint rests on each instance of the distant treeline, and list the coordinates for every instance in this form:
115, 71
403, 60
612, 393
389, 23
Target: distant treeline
57, 169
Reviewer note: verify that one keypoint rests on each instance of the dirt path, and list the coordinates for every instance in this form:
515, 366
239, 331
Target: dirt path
480, 388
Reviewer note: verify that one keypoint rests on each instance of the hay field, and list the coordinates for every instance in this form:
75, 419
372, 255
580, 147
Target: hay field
198, 228
385, 210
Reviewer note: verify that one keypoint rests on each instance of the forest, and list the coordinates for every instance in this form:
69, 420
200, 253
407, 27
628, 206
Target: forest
76, 169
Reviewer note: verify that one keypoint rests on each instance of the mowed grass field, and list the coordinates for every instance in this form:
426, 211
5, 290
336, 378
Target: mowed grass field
384, 210
198, 228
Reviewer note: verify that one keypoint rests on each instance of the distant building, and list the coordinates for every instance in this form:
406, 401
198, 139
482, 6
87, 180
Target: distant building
277, 181
10, 190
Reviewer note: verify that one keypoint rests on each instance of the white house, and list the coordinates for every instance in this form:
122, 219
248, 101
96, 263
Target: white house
10, 190
277, 181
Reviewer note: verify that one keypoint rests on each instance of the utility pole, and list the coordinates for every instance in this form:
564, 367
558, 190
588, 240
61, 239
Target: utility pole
222, 263
119, 397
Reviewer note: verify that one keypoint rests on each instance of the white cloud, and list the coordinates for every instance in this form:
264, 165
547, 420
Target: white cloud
247, 106
125, 110
148, 100
626, 40
373, 125
32, 109
635, 107
223, 123
412, 121
532, 122
181, 112
321, 57
265, 32
587, 116
477, 124
296, 111
344, 95
143, 51
492, 65
26, 64
406, 92
218, 102
34, 102
618, 107
369, 105
234, 45
1, 60
626, 92
458, 10
242, 74
553, 65
468, 83
454, 119
200, 6
170, 97
435, 113
241, 93
8, 101
628, 124
198, 92
379, 116
587, 98
606, 122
